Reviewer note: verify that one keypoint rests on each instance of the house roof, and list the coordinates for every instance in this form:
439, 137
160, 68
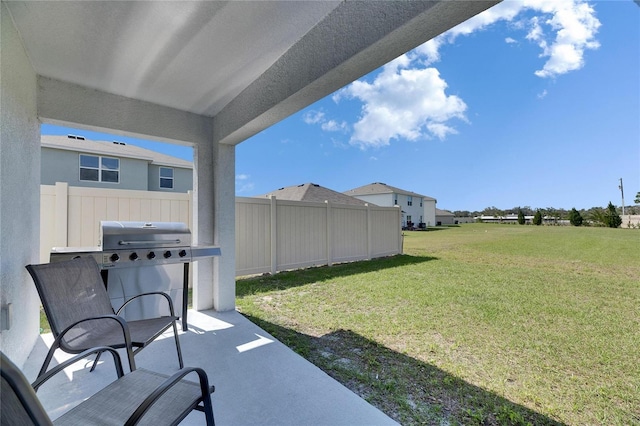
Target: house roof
383, 188
313, 193
443, 212
113, 148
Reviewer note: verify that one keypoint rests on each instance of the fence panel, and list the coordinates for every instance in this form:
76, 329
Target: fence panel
253, 236
271, 235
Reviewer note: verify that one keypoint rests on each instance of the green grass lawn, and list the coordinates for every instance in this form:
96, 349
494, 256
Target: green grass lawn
476, 324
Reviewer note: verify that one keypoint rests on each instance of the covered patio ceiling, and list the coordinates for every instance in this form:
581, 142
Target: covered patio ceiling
248, 64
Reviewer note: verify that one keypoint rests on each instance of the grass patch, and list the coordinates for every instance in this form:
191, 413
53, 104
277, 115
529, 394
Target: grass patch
476, 324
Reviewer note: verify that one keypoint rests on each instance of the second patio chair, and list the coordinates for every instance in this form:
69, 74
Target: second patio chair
80, 314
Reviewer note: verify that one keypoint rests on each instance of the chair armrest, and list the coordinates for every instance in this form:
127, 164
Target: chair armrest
121, 321
58, 368
205, 390
153, 293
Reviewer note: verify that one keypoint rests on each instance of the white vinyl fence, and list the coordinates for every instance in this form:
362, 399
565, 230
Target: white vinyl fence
271, 235
275, 235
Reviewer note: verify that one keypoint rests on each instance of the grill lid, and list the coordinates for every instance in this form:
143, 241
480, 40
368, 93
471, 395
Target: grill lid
117, 235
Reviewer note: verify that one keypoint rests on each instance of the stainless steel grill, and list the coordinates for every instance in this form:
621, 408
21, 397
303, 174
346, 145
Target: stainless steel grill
138, 257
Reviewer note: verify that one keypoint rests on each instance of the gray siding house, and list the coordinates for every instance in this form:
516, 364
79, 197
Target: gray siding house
101, 164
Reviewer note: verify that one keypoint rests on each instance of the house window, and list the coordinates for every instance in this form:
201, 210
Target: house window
94, 168
420, 202
166, 177
409, 200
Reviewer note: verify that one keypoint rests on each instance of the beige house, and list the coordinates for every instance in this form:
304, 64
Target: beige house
445, 217
203, 74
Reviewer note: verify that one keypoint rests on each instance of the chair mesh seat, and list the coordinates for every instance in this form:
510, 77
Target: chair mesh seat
109, 333
114, 404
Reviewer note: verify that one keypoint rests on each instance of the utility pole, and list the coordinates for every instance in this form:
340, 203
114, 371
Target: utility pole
622, 193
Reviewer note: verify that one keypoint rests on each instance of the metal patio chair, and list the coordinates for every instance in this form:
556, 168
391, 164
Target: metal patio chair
81, 317
140, 397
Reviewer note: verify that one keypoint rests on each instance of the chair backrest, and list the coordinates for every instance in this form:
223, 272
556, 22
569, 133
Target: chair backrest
19, 404
70, 291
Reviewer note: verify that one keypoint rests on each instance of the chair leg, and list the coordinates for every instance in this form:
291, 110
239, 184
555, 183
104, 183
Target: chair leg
95, 362
132, 363
48, 359
175, 334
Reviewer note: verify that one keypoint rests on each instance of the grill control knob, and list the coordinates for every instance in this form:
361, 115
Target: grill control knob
167, 254
133, 256
114, 257
151, 255
182, 253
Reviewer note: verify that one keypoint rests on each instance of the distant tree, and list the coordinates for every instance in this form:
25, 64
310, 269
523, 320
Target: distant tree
637, 200
597, 216
575, 218
612, 218
537, 218
492, 211
521, 217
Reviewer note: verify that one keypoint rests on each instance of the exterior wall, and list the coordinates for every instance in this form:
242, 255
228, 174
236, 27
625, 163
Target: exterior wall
429, 212
630, 221
274, 235
383, 200
64, 166
19, 193
182, 179
445, 219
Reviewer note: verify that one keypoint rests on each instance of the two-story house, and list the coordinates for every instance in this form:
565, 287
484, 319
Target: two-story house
417, 210
82, 162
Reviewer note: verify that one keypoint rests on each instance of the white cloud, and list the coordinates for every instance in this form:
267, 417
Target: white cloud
575, 27
543, 94
407, 99
510, 40
334, 126
403, 102
563, 29
313, 117
243, 184
319, 117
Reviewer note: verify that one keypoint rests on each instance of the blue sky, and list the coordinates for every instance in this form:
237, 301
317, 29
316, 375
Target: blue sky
532, 103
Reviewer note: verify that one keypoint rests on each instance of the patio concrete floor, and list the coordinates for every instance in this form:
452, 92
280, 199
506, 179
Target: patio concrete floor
258, 380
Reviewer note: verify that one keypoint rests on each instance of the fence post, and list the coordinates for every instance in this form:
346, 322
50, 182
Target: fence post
369, 233
328, 234
400, 233
61, 215
274, 236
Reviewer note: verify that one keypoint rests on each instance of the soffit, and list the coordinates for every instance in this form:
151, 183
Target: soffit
193, 56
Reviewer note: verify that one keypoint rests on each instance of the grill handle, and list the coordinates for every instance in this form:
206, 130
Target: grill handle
126, 243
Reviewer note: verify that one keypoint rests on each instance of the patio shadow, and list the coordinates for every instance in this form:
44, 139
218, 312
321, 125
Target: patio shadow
300, 277
406, 389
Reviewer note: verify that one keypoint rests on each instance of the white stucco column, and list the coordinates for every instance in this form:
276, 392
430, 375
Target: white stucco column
224, 281
19, 193
214, 196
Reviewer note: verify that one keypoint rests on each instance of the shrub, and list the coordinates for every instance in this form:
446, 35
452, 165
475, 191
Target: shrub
520, 217
612, 218
575, 218
537, 218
